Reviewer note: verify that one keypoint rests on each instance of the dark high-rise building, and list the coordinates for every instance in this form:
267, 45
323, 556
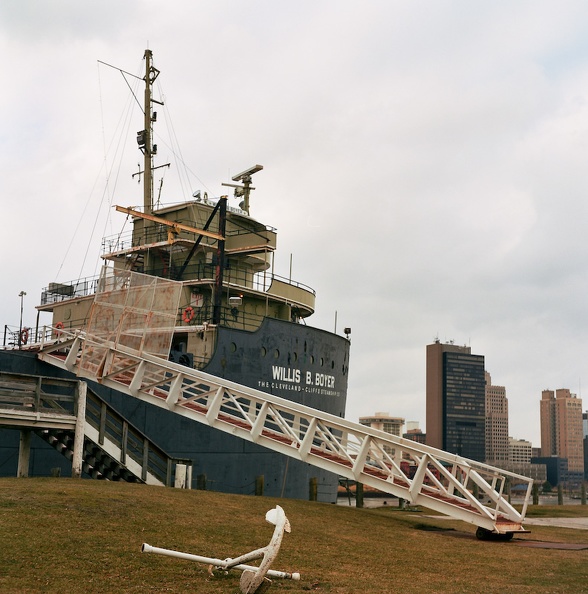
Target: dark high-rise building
456, 400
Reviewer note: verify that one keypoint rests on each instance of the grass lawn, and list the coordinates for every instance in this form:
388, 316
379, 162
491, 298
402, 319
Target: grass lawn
68, 536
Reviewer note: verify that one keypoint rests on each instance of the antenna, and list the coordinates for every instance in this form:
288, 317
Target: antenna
245, 189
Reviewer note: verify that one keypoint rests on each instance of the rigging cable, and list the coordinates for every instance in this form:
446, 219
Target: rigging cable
177, 152
108, 172
123, 134
175, 148
124, 123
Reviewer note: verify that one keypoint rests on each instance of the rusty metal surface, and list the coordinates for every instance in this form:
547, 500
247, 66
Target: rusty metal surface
132, 310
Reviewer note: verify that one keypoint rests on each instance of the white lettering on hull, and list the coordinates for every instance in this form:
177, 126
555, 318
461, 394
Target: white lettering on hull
286, 374
290, 378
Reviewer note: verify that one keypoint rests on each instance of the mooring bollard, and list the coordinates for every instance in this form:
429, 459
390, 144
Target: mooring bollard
313, 489
259, 483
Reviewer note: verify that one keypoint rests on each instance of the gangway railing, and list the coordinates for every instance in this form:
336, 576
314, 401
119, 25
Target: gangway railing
447, 483
50, 406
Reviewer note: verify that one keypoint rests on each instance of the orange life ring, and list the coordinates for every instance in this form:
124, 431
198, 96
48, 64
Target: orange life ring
24, 336
188, 314
58, 327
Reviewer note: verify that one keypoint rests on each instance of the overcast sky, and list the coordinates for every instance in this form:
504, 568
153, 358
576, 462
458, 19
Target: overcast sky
425, 163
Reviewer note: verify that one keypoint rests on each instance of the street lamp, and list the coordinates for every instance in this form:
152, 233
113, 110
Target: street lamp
21, 295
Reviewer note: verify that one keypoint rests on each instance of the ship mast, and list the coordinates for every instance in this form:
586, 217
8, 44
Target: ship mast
145, 136
145, 142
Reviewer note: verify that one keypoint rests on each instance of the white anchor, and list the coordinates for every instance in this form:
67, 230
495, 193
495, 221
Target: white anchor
253, 580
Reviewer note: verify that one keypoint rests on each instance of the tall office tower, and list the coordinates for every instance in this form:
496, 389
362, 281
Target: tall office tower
456, 400
496, 423
561, 427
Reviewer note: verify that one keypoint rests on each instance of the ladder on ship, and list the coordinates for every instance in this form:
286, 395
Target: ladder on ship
446, 483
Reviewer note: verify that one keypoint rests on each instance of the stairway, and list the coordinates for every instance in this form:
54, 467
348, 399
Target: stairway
97, 464
137, 261
447, 483
112, 448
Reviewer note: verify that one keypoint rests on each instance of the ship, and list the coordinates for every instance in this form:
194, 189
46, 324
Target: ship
237, 319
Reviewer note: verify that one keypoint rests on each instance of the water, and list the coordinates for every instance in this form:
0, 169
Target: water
375, 502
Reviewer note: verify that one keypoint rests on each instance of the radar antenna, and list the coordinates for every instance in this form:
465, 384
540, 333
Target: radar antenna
245, 189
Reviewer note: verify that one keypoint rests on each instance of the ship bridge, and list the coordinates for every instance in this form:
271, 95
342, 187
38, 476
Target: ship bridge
170, 244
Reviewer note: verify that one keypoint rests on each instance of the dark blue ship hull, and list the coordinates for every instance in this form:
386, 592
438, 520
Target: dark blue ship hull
293, 361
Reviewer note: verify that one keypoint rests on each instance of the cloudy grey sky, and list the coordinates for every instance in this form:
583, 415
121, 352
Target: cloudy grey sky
425, 165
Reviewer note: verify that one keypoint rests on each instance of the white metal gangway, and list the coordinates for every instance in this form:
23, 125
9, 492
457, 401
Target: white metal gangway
463, 489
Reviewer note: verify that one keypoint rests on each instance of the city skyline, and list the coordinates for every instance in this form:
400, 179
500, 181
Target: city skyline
449, 360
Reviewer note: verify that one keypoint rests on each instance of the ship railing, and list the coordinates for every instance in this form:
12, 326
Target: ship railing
126, 240
261, 280
241, 276
234, 317
230, 317
58, 398
129, 239
248, 231
11, 336
131, 442
56, 292
26, 337
116, 243
238, 275
37, 394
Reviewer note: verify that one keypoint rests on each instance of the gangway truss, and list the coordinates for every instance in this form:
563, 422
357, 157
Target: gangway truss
463, 489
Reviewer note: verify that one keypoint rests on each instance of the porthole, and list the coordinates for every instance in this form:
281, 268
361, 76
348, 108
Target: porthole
312, 359
276, 354
233, 347
263, 351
